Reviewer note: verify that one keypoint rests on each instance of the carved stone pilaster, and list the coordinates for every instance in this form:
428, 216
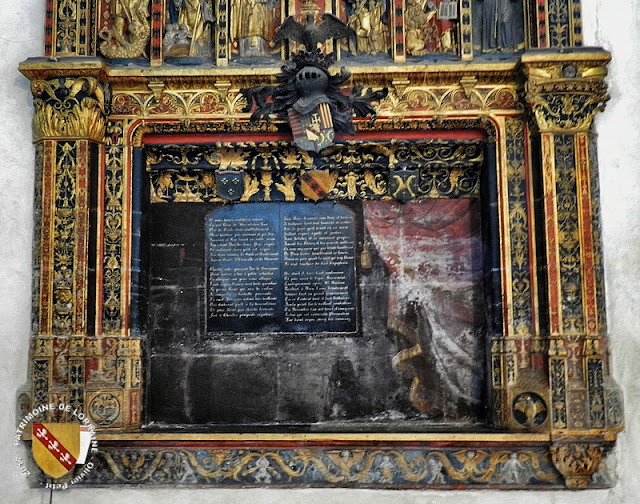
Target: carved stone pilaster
68, 108
565, 91
576, 462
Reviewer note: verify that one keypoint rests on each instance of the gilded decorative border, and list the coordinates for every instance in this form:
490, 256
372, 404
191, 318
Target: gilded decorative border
594, 178
558, 379
226, 101
185, 173
595, 383
466, 30
559, 23
569, 234
111, 316
339, 466
64, 300
585, 220
522, 287
71, 27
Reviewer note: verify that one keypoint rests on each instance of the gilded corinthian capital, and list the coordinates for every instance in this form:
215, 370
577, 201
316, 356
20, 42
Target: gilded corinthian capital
68, 108
565, 90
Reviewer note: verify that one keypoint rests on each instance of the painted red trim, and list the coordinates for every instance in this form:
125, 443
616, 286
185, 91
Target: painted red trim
204, 138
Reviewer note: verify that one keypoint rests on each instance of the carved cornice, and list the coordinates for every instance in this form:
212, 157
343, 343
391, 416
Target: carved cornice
565, 91
68, 108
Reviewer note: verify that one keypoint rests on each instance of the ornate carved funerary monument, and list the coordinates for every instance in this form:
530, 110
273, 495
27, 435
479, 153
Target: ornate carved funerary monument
327, 243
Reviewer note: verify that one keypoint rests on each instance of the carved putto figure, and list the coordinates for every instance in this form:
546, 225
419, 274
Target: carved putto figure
188, 32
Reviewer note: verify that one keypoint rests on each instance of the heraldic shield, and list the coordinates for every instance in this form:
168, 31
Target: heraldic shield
403, 184
312, 131
317, 184
56, 447
230, 184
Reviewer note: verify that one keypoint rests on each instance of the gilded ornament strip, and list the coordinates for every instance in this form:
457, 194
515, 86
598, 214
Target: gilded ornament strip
221, 43
559, 23
576, 23
76, 383
522, 283
466, 29
558, 380
397, 17
49, 23
595, 382
81, 242
543, 24
46, 238
71, 25
41, 380
157, 25
185, 173
37, 238
111, 316
569, 234
585, 219
64, 239
225, 102
505, 236
551, 228
594, 178
339, 466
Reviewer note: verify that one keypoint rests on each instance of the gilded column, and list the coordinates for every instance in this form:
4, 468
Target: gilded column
565, 91
68, 125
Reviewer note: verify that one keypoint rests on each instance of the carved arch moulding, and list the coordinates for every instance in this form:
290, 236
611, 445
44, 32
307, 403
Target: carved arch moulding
152, 156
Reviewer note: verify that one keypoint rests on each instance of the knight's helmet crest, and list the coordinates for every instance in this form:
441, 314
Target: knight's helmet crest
312, 84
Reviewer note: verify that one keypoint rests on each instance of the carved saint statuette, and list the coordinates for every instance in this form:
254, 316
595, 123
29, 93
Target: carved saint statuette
371, 31
188, 32
129, 35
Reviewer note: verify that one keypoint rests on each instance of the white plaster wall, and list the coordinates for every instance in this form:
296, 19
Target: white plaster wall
612, 24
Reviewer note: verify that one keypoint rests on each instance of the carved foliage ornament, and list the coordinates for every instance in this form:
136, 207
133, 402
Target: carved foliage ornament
566, 97
68, 108
576, 462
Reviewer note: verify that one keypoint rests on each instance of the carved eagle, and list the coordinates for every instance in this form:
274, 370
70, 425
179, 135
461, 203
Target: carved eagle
311, 35
533, 409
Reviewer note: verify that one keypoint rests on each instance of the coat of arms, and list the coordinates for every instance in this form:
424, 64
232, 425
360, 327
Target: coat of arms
230, 184
309, 96
56, 447
317, 184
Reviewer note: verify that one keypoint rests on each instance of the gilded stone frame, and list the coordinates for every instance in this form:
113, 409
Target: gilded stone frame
537, 107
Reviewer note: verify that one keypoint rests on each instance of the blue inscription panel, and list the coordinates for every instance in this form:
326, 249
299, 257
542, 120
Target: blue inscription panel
281, 267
